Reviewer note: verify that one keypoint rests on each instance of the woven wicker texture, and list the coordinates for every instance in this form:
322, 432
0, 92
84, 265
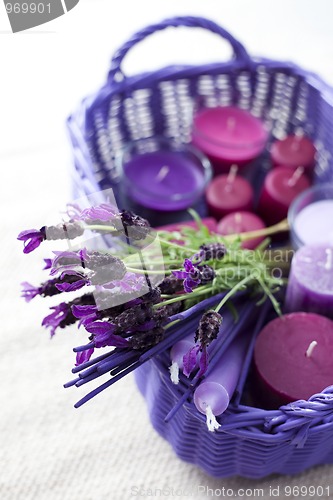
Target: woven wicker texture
250, 442
283, 95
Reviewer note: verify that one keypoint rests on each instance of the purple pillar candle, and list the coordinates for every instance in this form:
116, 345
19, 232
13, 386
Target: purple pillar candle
213, 395
164, 176
310, 284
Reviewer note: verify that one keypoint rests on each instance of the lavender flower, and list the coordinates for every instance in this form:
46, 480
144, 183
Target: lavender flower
48, 264
32, 238
47, 289
83, 356
103, 334
104, 212
212, 251
71, 281
61, 317
206, 332
132, 225
191, 276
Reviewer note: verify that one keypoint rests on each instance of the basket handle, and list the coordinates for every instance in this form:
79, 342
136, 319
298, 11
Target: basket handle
240, 52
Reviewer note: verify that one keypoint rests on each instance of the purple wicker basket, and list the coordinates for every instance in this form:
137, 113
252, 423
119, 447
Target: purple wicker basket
250, 442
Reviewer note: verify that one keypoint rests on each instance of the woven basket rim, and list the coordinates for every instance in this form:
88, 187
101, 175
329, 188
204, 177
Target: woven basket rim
283, 424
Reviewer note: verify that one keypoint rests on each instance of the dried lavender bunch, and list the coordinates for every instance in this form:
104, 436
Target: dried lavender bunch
129, 305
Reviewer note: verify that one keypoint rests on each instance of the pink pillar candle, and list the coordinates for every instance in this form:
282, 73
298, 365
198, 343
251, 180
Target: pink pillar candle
310, 284
293, 359
228, 135
241, 222
213, 395
294, 151
229, 193
281, 187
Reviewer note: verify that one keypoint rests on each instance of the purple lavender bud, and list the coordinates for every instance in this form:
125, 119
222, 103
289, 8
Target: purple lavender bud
132, 225
212, 251
207, 274
68, 230
134, 316
146, 339
100, 213
114, 270
208, 328
171, 285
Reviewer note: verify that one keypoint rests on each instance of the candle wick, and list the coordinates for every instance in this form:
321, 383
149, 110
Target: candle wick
310, 349
231, 123
211, 421
328, 263
238, 218
231, 177
162, 173
174, 372
295, 177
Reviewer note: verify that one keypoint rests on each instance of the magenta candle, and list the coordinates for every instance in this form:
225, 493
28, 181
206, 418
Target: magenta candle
281, 187
209, 222
294, 151
241, 222
228, 135
213, 395
293, 358
229, 193
310, 284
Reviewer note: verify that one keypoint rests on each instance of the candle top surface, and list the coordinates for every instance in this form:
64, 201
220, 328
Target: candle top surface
313, 268
240, 222
222, 192
314, 223
294, 151
289, 361
164, 180
279, 184
230, 126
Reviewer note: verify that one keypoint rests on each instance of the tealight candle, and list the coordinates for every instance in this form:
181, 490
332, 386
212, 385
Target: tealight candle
294, 151
163, 176
213, 394
228, 135
281, 187
293, 358
311, 216
229, 193
310, 284
240, 222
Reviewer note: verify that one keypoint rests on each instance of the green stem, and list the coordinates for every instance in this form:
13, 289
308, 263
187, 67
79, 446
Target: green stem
178, 298
147, 271
175, 245
233, 291
250, 235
